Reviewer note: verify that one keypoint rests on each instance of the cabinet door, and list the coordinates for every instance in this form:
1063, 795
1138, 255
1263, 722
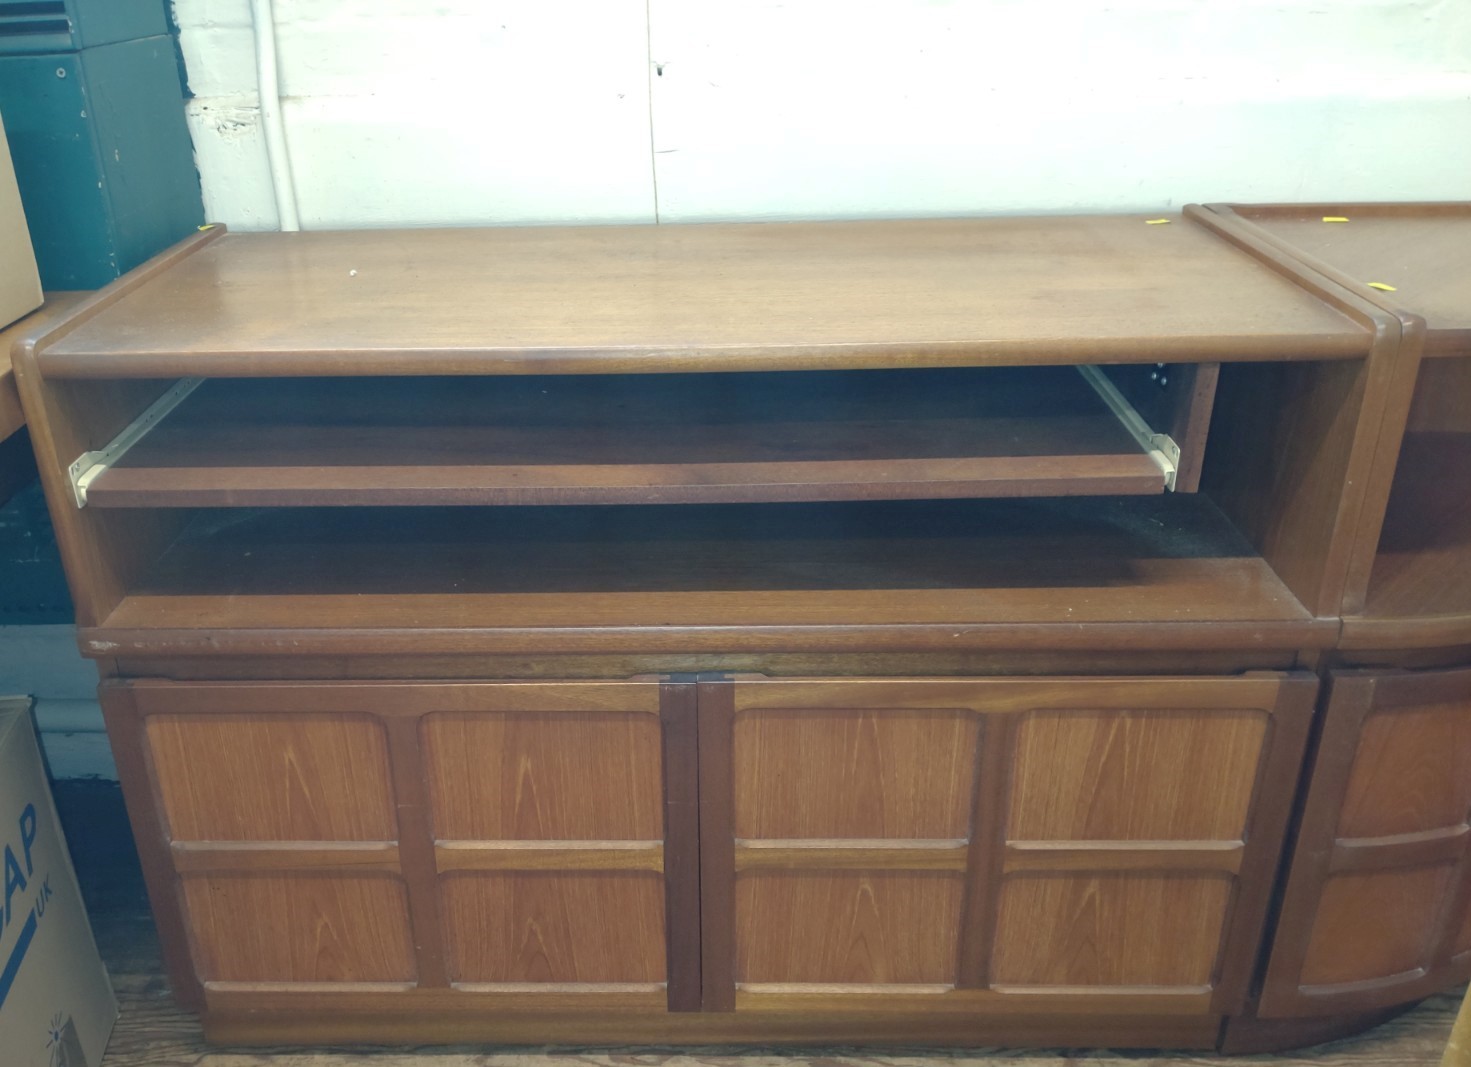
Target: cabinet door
1377, 909
1091, 845
531, 841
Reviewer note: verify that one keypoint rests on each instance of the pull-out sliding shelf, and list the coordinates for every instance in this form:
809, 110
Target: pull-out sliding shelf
666, 439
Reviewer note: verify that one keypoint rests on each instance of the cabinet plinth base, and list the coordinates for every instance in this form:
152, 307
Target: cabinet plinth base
417, 1027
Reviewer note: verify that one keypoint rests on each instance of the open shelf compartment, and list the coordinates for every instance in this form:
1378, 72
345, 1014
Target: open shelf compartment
659, 439
874, 574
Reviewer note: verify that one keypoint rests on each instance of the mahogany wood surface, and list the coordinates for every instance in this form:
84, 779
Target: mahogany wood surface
1380, 885
1422, 246
788, 296
575, 928
1039, 431
298, 927
394, 837
356, 825
1300, 462
1421, 250
1422, 570
888, 905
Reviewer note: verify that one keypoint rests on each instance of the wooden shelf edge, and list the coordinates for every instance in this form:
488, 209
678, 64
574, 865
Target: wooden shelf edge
105, 641
726, 483
353, 363
1367, 632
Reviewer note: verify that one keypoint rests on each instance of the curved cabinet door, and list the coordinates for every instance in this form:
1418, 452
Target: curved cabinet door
1100, 846
1377, 910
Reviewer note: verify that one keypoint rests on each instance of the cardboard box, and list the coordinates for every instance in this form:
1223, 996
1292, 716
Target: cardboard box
20, 285
56, 1004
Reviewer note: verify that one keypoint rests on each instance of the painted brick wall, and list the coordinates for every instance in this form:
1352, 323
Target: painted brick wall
520, 111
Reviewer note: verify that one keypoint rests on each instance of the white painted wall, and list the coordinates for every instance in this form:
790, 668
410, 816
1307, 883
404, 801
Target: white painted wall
404, 112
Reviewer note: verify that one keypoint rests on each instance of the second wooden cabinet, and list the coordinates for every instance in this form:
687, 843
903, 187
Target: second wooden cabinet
720, 844
1377, 910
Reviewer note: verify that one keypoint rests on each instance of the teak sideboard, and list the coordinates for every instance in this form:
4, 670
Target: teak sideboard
1031, 631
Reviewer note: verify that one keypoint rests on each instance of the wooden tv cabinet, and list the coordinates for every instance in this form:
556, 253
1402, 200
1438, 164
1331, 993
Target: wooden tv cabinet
991, 631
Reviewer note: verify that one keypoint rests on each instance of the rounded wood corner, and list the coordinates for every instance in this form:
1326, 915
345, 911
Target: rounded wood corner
1245, 1035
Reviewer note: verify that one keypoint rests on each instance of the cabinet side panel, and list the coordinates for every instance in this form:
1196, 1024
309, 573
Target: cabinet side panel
1110, 930
1282, 444
847, 927
555, 927
1135, 776
299, 928
272, 777
545, 776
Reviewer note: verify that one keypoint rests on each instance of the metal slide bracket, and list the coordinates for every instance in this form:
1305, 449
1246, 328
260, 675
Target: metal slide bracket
1160, 447
90, 465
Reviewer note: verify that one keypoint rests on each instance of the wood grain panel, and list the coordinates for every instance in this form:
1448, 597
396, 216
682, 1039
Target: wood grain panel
1135, 776
873, 928
299, 928
1412, 772
1110, 930
1399, 907
861, 773
1462, 942
705, 297
555, 928
272, 777
542, 776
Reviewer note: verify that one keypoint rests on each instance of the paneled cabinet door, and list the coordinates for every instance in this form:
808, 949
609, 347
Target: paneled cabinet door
1377, 910
531, 842
1094, 844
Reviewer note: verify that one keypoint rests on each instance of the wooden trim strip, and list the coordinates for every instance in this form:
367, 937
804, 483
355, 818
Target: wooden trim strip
860, 989
716, 703
541, 989
1279, 772
416, 844
1217, 856
856, 855
375, 989
1002, 696
934, 1000
392, 699
110, 640
678, 715
1445, 845
196, 857
1032, 351
549, 856
990, 813
1124, 474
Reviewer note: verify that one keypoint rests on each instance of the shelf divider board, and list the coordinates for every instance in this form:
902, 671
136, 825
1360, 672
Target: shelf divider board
892, 435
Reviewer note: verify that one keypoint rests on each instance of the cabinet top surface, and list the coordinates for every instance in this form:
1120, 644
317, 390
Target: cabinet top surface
1423, 251
703, 297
